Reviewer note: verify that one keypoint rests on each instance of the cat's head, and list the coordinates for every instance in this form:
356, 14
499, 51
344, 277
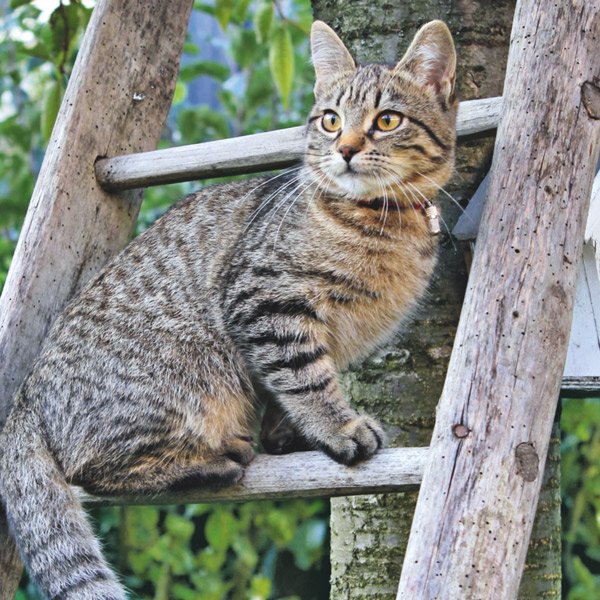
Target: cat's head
376, 130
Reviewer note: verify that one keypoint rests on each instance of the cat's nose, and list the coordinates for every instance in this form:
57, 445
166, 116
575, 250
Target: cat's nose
348, 151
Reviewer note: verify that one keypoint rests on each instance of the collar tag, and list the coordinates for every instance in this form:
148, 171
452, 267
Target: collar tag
432, 213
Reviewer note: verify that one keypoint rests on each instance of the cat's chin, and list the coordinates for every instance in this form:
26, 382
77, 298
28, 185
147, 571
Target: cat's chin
355, 185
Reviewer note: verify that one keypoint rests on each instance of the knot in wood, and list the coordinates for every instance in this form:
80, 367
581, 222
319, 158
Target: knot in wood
527, 461
590, 96
460, 430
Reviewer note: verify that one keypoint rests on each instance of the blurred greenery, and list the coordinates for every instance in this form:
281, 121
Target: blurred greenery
581, 498
262, 76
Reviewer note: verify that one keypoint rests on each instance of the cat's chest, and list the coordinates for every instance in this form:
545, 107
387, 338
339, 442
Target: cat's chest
360, 320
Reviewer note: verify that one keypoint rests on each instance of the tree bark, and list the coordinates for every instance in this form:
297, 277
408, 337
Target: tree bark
402, 383
511, 344
117, 100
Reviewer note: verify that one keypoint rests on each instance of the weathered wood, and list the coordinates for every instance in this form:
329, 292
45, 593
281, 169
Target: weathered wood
583, 356
505, 370
302, 474
580, 387
116, 101
246, 154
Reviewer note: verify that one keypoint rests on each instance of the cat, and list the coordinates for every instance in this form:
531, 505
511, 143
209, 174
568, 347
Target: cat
147, 381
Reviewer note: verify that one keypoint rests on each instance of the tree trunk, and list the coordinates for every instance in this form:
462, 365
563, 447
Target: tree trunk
401, 384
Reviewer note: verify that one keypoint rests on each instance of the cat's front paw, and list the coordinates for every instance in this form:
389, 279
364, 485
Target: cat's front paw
356, 440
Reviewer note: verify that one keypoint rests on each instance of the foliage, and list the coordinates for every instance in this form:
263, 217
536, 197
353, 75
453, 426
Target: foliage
581, 498
201, 552
206, 552
36, 57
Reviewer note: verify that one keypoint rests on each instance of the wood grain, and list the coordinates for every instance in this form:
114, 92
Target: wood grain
302, 474
509, 353
116, 101
246, 154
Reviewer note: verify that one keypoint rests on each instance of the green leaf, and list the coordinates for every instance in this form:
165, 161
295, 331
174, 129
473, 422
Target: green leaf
16, 3
190, 48
182, 592
38, 51
246, 52
260, 588
209, 9
220, 529
64, 22
211, 560
281, 527
50, 108
223, 10
211, 586
263, 20
281, 61
204, 67
308, 543
180, 92
245, 551
179, 527
241, 9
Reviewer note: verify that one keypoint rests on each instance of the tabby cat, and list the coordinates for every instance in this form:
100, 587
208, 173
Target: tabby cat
147, 381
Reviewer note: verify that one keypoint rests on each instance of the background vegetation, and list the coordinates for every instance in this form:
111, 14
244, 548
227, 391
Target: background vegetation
249, 73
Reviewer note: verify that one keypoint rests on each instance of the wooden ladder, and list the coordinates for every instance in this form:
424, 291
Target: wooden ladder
85, 205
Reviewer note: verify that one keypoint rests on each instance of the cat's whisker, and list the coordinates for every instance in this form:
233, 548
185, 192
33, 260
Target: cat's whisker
397, 180
439, 187
439, 215
255, 188
324, 192
384, 212
265, 202
414, 200
296, 188
298, 196
399, 212
418, 193
319, 186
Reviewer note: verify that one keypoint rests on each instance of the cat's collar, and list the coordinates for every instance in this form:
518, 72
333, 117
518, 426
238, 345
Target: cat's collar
429, 209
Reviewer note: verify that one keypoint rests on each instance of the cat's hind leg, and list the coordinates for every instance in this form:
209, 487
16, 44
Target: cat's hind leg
169, 470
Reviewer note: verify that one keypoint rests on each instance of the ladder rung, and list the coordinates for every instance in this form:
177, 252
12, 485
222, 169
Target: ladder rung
246, 154
302, 474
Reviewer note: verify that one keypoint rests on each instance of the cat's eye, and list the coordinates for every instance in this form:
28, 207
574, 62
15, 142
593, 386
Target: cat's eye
331, 121
388, 121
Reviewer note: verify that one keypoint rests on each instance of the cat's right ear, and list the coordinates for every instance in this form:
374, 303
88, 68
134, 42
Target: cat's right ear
431, 59
329, 55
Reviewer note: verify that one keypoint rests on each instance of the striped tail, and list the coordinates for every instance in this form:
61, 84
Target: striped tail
49, 524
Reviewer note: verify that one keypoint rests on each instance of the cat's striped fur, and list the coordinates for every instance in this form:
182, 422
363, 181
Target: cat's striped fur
146, 381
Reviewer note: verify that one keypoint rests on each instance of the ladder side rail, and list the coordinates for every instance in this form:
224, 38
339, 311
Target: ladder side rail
73, 227
483, 475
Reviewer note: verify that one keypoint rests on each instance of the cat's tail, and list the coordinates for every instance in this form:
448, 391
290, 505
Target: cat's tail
49, 524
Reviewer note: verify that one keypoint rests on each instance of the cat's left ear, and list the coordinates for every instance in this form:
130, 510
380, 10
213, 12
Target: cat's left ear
431, 58
329, 55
